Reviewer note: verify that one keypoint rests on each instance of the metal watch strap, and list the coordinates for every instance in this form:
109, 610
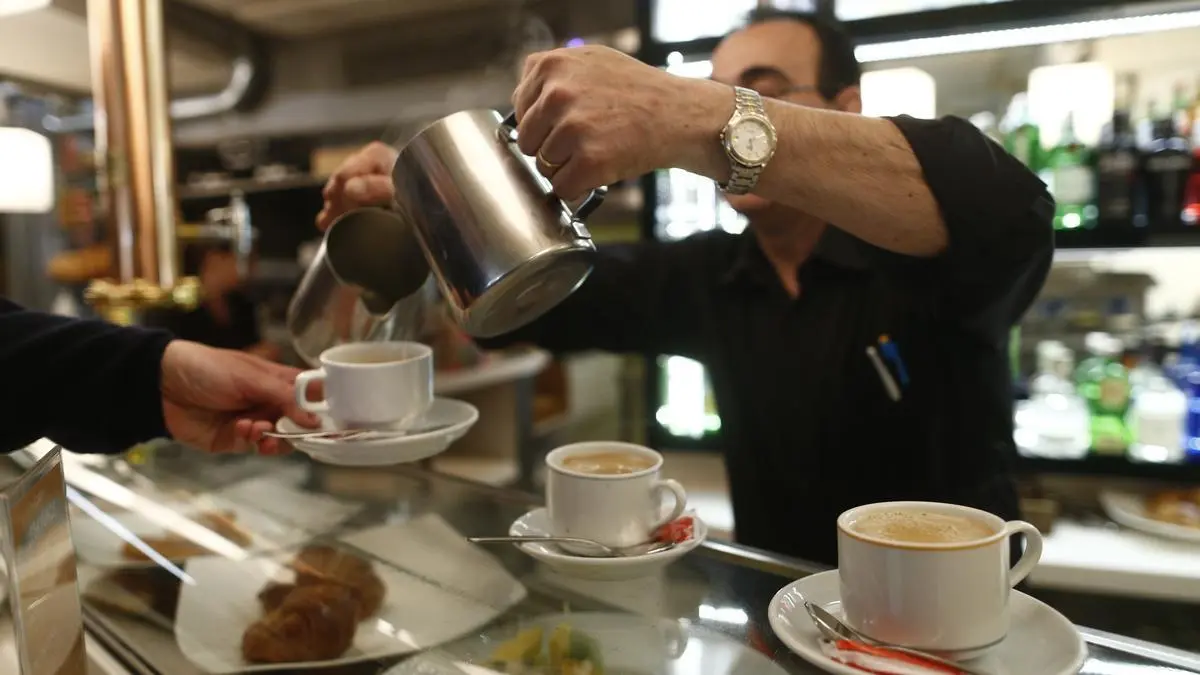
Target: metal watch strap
743, 178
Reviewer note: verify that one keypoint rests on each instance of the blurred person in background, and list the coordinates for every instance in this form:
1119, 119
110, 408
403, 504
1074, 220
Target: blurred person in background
227, 317
919, 239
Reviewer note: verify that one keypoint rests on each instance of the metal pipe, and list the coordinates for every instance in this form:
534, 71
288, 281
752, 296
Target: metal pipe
247, 80
133, 137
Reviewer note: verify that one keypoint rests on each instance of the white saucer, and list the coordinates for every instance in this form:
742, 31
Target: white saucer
537, 523
454, 419
1040, 640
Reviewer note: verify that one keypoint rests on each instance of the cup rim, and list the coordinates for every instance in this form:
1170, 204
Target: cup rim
554, 457
419, 352
997, 523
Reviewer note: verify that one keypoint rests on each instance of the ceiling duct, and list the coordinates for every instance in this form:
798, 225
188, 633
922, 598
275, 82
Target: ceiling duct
248, 77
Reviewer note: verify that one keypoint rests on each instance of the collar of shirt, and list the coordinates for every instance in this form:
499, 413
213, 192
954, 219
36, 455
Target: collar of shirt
835, 252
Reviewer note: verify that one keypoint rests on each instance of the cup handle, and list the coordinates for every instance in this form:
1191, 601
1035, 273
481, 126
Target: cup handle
1033, 549
301, 389
676, 490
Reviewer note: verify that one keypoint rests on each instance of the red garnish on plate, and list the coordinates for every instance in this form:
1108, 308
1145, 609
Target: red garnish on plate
885, 653
677, 531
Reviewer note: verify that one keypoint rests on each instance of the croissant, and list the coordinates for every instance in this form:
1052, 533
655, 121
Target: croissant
313, 623
327, 565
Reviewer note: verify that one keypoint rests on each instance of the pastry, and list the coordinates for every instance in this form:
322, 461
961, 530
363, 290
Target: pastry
313, 623
324, 564
1174, 507
170, 547
273, 594
225, 524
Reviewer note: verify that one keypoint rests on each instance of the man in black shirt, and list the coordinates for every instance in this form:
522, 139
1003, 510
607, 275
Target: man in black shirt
920, 234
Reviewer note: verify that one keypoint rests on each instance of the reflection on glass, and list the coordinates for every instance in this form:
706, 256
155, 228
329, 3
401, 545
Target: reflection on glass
688, 409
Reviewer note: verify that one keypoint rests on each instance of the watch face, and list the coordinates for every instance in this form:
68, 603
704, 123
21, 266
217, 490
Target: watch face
750, 140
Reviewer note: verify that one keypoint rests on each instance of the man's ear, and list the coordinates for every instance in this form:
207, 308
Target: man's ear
849, 100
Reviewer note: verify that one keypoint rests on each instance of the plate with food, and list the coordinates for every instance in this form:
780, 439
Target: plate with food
1174, 514
375, 594
130, 539
593, 643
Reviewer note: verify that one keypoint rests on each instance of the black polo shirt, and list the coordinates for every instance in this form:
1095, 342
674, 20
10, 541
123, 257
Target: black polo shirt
808, 428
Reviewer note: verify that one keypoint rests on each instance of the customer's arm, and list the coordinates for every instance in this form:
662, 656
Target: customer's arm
89, 385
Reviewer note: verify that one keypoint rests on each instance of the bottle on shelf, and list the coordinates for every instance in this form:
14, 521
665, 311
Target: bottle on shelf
1022, 139
1190, 215
1054, 422
1165, 168
1117, 166
1067, 170
1158, 421
1104, 383
1181, 111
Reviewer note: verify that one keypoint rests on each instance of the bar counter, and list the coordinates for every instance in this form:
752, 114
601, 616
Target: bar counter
448, 604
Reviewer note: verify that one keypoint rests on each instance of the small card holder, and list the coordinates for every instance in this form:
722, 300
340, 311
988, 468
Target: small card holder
41, 622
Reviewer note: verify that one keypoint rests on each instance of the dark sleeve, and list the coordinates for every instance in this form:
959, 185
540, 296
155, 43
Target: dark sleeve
644, 297
88, 385
999, 217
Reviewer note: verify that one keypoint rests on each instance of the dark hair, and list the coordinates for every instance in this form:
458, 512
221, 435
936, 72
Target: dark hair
838, 67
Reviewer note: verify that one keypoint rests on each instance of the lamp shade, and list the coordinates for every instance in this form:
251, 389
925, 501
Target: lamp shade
26, 172
10, 7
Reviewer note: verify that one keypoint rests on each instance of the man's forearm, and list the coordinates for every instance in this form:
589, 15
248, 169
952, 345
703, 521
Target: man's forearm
856, 173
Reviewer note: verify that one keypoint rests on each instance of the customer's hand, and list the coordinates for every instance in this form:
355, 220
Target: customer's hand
593, 116
220, 400
365, 179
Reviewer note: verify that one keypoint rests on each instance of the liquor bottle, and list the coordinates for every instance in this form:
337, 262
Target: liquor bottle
1191, 191
1104, 384
1022, 139
1166, 165
1067, 170
1117, 166
1158, 421
1181, 111
1055, 421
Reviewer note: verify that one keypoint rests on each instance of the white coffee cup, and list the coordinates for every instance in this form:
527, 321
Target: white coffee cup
371, 385
621, 509
949, 597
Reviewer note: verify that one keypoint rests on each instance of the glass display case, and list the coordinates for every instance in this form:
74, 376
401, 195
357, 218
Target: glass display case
178, 557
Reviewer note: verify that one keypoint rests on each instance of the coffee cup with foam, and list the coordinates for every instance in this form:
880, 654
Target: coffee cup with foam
930, 576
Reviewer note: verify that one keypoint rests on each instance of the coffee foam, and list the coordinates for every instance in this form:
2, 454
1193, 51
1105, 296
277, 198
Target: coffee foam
921, 527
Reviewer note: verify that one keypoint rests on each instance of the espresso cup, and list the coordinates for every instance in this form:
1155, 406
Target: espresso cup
930, 576
371, 385
608, 492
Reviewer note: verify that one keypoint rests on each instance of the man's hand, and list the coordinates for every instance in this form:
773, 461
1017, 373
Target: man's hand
220, 400
593, 116
365, 179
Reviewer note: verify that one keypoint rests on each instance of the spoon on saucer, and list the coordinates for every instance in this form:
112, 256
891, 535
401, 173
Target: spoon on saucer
351, 434
834, 629
602, 551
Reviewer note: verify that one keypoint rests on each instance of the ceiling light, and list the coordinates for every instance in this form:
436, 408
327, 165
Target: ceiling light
1026, 37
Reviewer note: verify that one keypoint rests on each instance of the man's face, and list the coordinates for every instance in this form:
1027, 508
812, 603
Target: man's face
778, 59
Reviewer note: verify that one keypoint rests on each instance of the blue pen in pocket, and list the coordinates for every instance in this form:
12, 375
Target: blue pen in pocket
892, 353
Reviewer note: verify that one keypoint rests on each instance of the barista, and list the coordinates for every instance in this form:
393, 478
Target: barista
919, 241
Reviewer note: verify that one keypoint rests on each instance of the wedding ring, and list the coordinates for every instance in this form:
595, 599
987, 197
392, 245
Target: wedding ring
547, 163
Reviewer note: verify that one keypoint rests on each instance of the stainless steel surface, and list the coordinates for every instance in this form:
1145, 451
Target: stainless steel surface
324, 313
133, 138
835, 629
602, 550
502, 247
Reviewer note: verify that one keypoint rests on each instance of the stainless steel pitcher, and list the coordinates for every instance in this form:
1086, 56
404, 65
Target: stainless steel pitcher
503, 248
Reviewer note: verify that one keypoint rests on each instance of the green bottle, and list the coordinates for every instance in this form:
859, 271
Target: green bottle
1104, 383
1071, 177
1022, 139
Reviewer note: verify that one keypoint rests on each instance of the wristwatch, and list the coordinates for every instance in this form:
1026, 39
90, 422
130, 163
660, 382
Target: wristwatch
749, 141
